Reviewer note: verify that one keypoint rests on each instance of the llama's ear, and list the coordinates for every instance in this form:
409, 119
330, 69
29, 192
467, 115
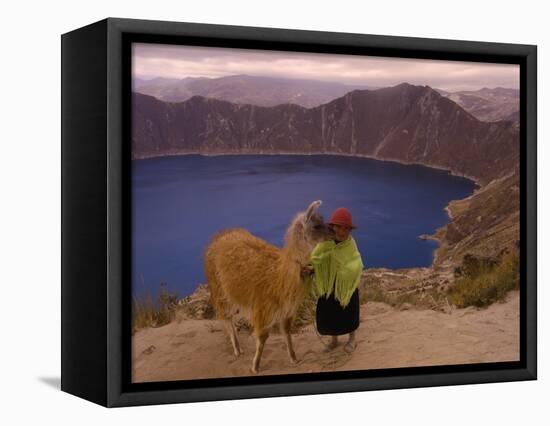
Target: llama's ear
312, 208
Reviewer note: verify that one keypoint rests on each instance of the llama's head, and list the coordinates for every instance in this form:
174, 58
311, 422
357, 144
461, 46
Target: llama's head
308, 229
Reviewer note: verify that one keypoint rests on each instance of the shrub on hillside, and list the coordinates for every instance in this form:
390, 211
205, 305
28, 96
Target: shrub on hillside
486, 282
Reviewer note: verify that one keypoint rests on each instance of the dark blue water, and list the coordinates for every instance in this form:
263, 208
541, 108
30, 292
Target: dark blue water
178, 203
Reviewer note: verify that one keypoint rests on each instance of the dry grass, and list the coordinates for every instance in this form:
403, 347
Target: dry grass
486, 284
146, 312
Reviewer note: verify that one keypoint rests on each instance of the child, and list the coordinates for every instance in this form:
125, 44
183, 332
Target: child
337, 266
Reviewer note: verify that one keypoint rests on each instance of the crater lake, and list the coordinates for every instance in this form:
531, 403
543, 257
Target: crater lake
180, 202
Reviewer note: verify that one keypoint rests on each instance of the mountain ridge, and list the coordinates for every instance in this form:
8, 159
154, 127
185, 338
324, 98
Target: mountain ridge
405, 123
245, 89
488, 104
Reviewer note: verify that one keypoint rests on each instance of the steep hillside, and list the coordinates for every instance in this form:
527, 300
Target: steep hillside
483, 224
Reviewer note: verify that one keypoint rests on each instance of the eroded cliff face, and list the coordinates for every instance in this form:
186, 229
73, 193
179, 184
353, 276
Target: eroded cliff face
406, 123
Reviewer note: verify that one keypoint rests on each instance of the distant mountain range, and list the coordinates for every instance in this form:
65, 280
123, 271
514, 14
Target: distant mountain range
245, 89
488, 104
485, 104
406, 123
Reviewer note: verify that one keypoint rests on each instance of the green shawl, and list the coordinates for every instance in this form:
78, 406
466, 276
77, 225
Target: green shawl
338, 264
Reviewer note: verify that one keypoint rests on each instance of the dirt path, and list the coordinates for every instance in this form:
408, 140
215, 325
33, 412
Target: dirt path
387, 338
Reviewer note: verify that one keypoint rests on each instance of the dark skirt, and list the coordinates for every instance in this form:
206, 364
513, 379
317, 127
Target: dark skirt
333, 320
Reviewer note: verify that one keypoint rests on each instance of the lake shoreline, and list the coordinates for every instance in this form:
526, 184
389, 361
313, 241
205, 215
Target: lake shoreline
477, 181
427, 237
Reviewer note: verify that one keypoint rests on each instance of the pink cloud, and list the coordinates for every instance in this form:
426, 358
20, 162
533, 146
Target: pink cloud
170, 61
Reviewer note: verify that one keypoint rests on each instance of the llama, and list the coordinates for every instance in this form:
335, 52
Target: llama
264, 282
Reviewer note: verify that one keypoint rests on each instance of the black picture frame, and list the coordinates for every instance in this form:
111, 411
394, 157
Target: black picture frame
96, 285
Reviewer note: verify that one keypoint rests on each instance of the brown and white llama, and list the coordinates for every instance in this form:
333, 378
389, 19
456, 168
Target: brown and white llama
247, 274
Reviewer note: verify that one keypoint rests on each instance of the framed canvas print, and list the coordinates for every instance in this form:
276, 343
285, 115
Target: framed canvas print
252, 212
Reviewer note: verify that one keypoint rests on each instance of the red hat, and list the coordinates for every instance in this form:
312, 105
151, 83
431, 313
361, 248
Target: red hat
341, 216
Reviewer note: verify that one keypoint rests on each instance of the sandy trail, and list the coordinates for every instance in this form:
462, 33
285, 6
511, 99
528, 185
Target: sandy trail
386, 338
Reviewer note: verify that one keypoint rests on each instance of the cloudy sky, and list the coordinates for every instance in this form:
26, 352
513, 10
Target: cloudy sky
156, 60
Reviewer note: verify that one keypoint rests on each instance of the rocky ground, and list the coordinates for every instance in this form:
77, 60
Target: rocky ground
387, 337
